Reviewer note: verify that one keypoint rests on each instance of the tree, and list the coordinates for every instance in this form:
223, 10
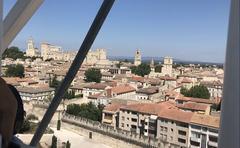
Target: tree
89, 111
54, 82
14, 53
198, 91
54, 142
25, 127
184, 91
68, 145
93, 75
158, 68
58, 125
15, 71
141, 70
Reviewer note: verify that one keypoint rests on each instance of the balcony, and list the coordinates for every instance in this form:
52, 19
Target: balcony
211, 143
195, 139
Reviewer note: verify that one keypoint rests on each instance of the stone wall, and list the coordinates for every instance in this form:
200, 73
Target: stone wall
107, 134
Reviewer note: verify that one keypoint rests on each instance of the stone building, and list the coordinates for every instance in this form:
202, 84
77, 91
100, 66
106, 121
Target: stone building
167, 66
49, 51
138, 58
31, 51
97, 57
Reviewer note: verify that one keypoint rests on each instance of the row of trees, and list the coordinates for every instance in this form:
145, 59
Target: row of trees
93, 75
89, 111
141, 70
15, 71
198, 91
14, 53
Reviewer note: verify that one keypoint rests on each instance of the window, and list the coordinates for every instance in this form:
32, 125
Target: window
181, 140
194, 143
122, 124
182, 133
196, 127
134, 113
213, 138
165, 129
127, 118
134, 120
195, 135
123, 118
171, 130
127, 125
182, 124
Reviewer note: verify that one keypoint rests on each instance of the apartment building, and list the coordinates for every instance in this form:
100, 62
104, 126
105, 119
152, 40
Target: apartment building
141, 118
110, 114
168, 122
203, 131
172, 126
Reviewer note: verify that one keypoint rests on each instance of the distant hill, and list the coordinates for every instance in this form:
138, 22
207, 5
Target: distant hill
160, 59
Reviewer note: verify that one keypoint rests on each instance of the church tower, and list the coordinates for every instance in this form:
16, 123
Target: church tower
167, 66
31, 51
152, 65
138, 58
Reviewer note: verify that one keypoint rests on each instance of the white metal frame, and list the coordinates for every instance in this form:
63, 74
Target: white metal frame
230, 109
230, 116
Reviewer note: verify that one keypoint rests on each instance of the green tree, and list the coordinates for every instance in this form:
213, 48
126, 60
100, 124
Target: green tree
58, 125
14, 53
158, 68
184, 91
89, 111
198, 91
68, 145
25, 127
54, 142
141, 70
15, 71
54, 82
93, 75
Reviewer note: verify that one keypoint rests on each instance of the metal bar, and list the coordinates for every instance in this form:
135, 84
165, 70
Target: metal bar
230, 125
16, 19
1, 34
86, 45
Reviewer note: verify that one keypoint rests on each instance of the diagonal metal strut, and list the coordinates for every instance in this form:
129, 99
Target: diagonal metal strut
86, 45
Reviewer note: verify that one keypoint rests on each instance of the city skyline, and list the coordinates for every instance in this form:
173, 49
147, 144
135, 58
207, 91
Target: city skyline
158, 28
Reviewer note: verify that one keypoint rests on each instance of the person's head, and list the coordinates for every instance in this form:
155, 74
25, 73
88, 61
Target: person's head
8, 110
20, 110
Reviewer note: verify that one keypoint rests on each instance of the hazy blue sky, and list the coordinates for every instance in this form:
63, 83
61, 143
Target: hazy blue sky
183, 29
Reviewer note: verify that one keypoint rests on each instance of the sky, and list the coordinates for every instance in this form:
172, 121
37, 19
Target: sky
194, 30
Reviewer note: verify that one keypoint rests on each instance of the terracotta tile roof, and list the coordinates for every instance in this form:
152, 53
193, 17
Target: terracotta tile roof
32, 90
100, 86
193, 106
176, 115
167, 78
138, 79
121, 89
186, 80
114, 107
149, 91
149, 108
206, 120
197, 100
